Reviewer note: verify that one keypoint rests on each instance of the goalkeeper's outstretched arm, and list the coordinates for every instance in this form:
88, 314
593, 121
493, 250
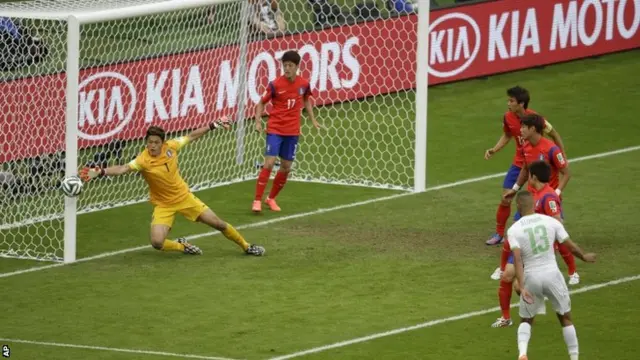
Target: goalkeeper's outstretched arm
196, 134
117, 170
88, 174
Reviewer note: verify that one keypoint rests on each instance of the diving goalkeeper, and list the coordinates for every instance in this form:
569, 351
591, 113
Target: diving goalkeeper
169, 193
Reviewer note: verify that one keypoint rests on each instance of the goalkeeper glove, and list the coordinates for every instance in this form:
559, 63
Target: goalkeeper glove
88, 174
222, 122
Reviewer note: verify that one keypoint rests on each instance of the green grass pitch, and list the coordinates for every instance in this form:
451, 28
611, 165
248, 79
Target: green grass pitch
340, 275
360, 270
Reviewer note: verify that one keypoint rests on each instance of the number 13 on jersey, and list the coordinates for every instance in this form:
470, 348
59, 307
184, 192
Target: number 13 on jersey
538, 238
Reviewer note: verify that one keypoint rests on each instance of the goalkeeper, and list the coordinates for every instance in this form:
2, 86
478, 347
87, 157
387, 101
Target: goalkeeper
169, 193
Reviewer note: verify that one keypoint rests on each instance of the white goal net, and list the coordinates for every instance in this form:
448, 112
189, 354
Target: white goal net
179, 69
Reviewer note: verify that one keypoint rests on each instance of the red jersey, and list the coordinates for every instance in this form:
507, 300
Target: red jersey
549, 152
511, 126
547, 201
287, 98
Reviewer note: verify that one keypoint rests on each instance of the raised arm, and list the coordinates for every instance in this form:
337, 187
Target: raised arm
221, 123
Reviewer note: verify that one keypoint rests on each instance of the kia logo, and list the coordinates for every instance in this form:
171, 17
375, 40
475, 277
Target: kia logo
451, 44
107, 101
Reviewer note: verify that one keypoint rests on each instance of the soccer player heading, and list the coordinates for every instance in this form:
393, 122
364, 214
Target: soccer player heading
538, 274
288, 94
169, 193
517, 107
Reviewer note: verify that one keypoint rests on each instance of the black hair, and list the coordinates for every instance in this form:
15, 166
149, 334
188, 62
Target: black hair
534, 120
541, 170
520, 94
291, 56
155, 131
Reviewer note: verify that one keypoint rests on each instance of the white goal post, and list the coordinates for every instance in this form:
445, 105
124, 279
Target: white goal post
85, 78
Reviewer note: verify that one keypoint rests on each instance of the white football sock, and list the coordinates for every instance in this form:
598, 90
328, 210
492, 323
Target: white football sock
524, 334
571, 339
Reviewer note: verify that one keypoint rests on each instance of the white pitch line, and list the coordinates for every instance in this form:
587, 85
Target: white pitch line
437, 322
314, 212
320, 348
103, 348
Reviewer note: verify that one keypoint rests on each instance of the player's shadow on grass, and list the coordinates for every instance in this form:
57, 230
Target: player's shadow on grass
210, 252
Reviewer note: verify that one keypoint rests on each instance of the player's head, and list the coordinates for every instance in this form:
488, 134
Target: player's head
539, 173
155, 138
517, 99
530, 125
290, 63
525, 203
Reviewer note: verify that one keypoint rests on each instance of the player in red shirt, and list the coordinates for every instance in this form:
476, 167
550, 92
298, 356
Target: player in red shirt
547, 202
538, 148
518, 105
287, 93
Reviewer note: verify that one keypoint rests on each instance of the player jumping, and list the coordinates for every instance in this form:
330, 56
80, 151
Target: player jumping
287, 93
518, 106
170, 194
538, 273
547, 202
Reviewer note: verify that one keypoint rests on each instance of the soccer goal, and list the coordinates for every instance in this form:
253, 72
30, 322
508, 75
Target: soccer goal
81, 81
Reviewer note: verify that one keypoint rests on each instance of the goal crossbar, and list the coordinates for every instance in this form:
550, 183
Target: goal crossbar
114, 13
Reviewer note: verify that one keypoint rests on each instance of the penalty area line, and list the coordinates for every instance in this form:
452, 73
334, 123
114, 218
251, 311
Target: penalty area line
314, 212
439, 321
104, 348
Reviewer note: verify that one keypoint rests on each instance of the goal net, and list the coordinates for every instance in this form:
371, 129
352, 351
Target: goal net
179, 65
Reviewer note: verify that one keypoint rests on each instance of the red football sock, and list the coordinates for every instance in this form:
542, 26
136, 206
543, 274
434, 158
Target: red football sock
278, 184
568, 258
261, 184
502, 215
504, 295
504, 257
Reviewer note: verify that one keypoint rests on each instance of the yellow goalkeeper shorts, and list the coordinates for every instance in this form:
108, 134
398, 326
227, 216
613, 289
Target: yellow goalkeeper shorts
191, 208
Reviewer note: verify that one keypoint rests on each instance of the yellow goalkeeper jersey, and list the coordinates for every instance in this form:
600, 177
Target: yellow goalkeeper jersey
166, 186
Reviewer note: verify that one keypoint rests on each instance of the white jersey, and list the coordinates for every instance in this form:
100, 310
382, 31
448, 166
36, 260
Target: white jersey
534, 236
